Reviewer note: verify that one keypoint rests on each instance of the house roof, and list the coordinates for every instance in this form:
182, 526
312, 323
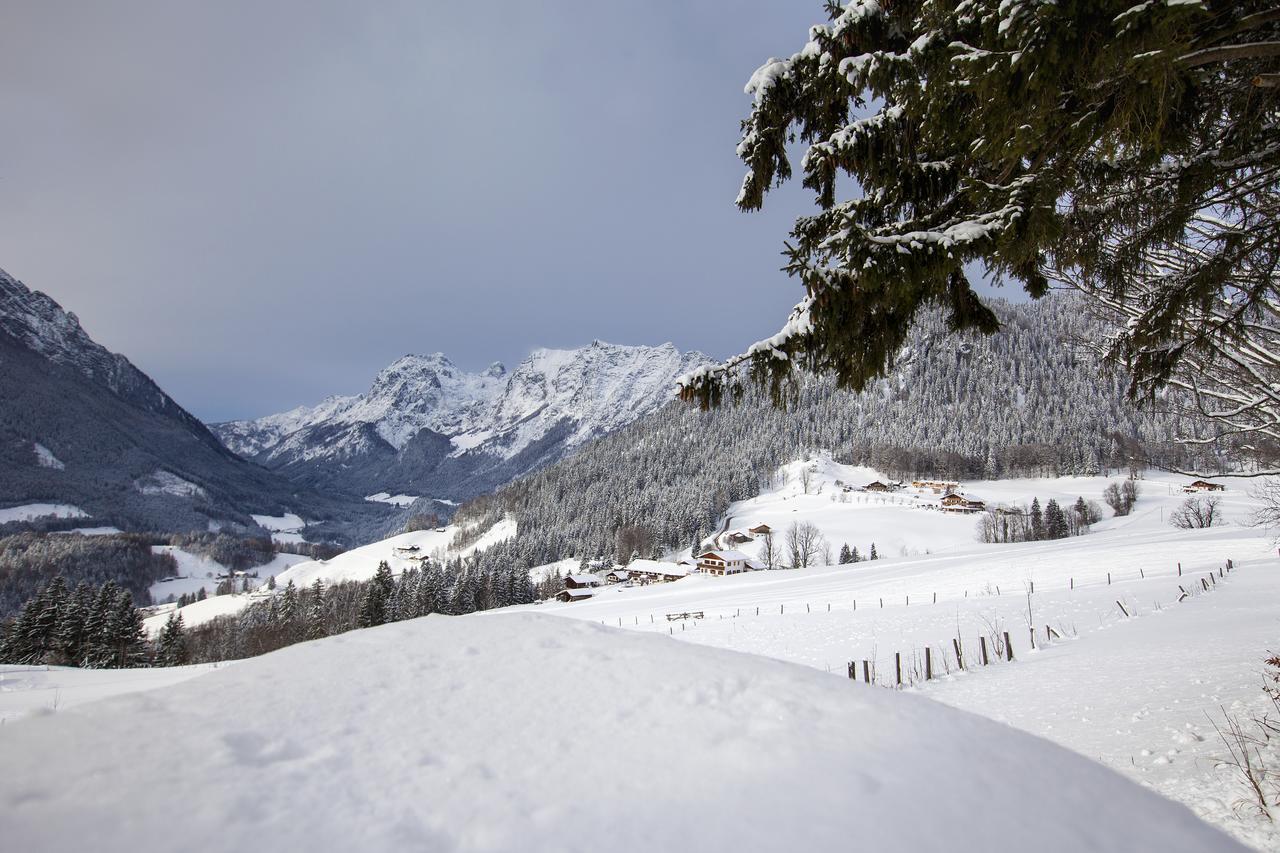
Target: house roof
574, 593
651, 567
726, 555
760, 528
582, 578
622, 574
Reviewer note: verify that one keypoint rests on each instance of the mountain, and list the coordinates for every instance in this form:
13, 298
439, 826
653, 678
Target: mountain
83, 429
1023, 402
427, 428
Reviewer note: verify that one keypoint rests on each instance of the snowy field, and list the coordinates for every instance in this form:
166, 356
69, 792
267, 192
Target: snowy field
31, 512
520, 732
1135, 692
196, 572
46, 690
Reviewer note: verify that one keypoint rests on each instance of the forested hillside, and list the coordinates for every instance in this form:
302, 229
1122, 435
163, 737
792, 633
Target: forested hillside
1019, 403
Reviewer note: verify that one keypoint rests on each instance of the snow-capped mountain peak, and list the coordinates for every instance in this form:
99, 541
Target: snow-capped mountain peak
552, 401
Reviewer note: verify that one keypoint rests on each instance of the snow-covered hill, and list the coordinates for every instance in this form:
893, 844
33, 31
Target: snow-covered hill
426, 427
1137, 688
521, 732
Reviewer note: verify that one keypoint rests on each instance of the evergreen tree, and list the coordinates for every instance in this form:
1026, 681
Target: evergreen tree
317, 614
288, 602
846, 556
377, 597
96, 641
1037, 520
124, 633
71, 625
874, 555
1139, 122
1055, 523
172, 643
853, 555
201, 595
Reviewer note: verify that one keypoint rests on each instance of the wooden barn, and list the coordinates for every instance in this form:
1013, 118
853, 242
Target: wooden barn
581, 581
1204, 486
573, 594
760, 529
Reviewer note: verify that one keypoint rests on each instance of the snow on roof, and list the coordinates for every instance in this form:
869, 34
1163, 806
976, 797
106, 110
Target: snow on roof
649, 567
832, 766
581, 578
727, 555
575, 593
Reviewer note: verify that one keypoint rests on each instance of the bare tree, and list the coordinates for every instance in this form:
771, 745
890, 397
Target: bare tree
806, 478
1195, 513
1267, 514
804, 543
769, 551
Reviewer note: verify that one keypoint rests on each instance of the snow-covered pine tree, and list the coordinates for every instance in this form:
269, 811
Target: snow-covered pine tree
846, 556
1022, 137
317, 613
873, 555
1055, 522
1037, 520
172, 644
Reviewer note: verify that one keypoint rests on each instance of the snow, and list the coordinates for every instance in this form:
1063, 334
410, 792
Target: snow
32, 691
394, 500
161, 482
677, 746
286, 529
600, 387
358, 564
196, 572
1135, 693
46, 459
90, 531
31, 512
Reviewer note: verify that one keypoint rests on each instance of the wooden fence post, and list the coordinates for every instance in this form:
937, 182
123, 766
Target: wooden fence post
959, 656
853, 671
1179, 569
897, 665
806, 608
866, 671
982, 644
1108, 578
1008, 646
1033, 586
1205, 584
1122, 609
928, 664
1073, 583
935, 598
1142, 574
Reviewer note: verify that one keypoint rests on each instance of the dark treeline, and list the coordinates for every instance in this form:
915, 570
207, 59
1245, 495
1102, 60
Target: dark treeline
101, 628
1020, 524
292, 615
97, 628
29, 561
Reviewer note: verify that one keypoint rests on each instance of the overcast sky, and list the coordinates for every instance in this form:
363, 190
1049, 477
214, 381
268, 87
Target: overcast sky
263, 203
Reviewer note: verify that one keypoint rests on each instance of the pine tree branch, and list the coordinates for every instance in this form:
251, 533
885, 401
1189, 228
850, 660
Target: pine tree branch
1228, 53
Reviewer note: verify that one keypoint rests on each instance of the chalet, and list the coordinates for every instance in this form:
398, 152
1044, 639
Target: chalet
724, 563
876, 486
951, 502
1204, 486
573, 594
760, 529
407, 549
581, 581
617, 576
738, 538
653, 571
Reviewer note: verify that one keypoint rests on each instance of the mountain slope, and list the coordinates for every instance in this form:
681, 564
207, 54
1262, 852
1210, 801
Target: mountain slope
1015, 404
425, 427
546, 734
83, 426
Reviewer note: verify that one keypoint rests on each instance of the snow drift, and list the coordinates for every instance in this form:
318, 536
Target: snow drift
523, 732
